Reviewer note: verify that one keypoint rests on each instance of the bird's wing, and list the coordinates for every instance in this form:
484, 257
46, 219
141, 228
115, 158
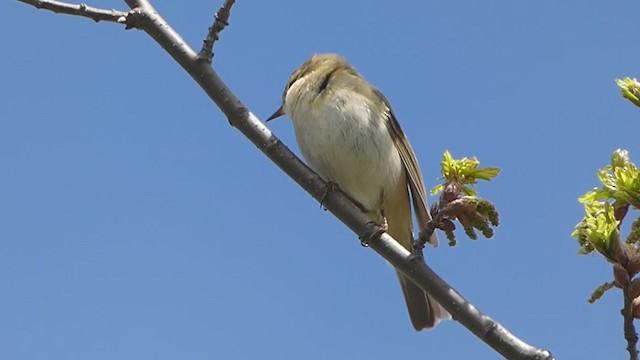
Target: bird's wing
414, 176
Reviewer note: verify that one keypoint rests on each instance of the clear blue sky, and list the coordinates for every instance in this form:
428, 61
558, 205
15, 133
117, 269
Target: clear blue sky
135, 223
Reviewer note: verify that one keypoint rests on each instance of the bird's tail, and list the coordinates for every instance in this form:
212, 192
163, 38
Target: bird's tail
424, 311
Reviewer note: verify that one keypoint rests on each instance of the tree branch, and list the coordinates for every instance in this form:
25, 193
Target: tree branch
630, 333
82, 10
143, 16
221, 21
485, 328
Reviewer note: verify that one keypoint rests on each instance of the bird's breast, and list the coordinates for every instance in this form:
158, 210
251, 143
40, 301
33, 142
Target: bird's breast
342, 136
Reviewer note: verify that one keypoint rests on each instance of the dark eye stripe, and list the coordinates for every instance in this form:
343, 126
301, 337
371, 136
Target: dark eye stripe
325, 80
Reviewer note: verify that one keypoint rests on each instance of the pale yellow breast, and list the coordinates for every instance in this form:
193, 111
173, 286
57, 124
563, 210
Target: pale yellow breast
342, 136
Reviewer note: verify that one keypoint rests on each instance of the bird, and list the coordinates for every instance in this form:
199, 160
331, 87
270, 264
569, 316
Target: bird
348, 134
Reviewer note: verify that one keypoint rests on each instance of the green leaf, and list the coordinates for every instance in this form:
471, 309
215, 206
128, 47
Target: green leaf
630, 89
620, 158
468, 191
598, 230
464, 171
620, 182
437, 189
486, 173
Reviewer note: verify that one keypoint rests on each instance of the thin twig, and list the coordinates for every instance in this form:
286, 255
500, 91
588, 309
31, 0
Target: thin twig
222, 20
82, 10
630, 333
447, 204
425, 235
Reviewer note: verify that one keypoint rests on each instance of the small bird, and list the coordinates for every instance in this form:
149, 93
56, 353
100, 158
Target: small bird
349, 135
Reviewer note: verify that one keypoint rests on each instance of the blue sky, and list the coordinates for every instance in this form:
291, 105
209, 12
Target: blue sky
136, 223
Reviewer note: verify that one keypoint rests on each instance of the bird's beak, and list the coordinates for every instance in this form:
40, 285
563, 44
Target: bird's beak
276, 114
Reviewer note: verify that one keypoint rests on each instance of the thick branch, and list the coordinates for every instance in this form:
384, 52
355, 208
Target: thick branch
485, 328
144, 17
79, 10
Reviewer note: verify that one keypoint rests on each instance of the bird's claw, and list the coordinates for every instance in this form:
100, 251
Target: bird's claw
331, 186
374, 231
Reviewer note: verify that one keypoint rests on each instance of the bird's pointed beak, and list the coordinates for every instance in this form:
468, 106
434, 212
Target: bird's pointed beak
276, 114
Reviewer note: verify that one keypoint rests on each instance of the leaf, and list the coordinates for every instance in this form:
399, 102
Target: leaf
464, 171
486, 173
437, 189
630, 89
598, 230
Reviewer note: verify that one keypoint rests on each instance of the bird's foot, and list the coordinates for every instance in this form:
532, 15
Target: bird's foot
331, 186
375, 230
